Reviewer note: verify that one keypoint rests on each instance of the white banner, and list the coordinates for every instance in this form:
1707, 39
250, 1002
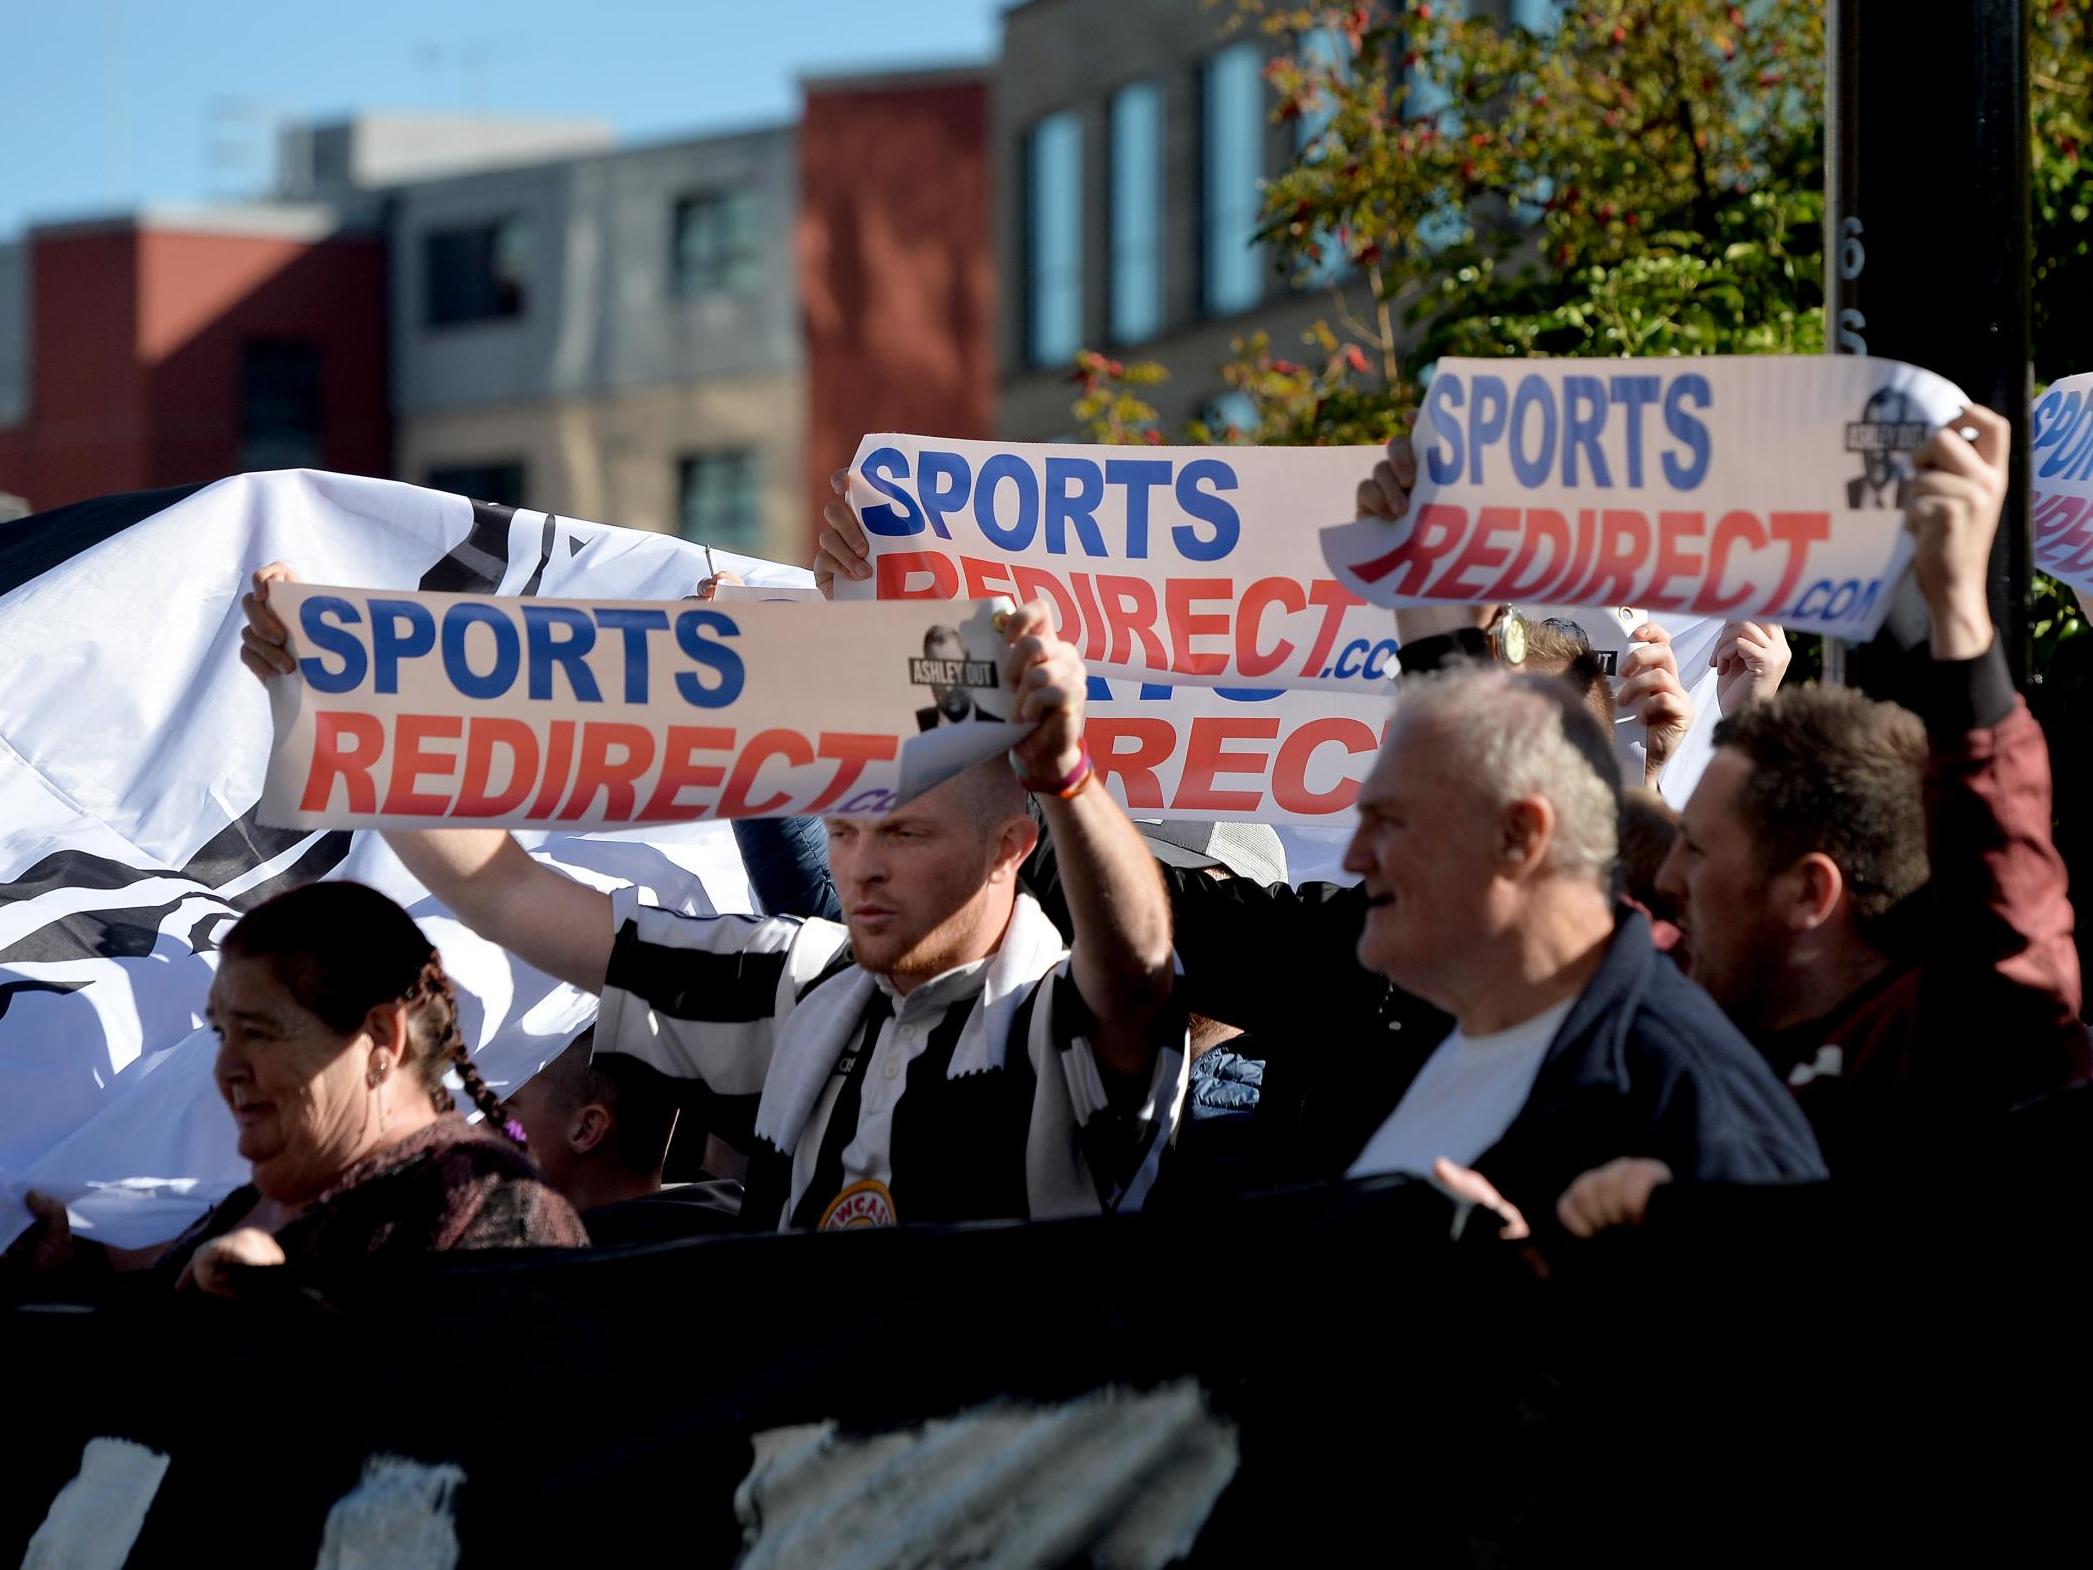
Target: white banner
1193, 582
1761, 487
2061, 465
435, 710
132, 751
1163, 564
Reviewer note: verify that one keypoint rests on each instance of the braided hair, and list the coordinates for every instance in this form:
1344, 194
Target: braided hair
342, 949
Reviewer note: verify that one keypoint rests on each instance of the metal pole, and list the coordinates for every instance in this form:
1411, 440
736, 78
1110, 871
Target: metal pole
1927, 168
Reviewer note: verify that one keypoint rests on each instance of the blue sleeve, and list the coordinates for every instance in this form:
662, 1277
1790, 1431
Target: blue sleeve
787, 864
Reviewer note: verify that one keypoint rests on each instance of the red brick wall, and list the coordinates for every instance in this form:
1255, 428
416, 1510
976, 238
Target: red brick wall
135, 349
896, 268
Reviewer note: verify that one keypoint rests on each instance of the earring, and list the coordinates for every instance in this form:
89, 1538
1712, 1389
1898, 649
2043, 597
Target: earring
376, 1074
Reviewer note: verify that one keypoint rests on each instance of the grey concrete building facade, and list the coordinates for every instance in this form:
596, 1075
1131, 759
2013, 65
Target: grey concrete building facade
612, 336
1156, 98
1074, 57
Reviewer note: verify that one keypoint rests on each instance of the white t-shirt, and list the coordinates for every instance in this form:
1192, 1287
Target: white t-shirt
1463, 1099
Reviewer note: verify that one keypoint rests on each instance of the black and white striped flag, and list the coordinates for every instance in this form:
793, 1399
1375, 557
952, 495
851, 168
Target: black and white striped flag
132, 749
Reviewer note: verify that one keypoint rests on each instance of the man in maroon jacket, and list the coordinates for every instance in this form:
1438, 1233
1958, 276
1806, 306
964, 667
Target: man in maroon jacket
1896, 1004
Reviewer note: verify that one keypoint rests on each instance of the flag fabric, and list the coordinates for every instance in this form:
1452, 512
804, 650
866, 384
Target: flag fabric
132, 750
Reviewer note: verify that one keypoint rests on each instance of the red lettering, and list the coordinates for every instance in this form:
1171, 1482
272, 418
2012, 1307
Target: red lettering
1290, 792
1799, 531
1179, 596
1438, 530
1204, 758
985, 579
899, 571
1153, 742
680, 771
616, 776
1580, 561
1335, 599
1624, 544
1093, 622
1479, 552
1249, 659
1542, 524
1712, 601
1130, 609
333, 758
763, 746
1036, 583
481, 738
852, 752
411, 760
1673, 562
559, 756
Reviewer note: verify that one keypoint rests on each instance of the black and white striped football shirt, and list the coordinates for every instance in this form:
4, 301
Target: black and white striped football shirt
974, 1097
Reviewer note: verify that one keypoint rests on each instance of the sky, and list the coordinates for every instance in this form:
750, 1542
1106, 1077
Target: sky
114, 104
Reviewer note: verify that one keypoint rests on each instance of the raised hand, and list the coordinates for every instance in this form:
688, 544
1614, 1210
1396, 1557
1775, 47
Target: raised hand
263, 639
1049, 679
843, 548
1749, 661
1653, 693
1954, 513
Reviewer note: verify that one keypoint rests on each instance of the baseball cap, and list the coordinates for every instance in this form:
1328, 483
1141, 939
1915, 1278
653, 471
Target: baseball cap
1249, 850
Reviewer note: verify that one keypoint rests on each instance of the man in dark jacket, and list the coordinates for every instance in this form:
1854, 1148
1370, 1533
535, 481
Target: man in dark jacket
1877, 902
1487, 837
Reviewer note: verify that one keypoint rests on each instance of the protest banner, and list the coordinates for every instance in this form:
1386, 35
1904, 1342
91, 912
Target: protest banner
1193, 585
432, 710
1163, 564
2061, 465
1764, 487
132, 752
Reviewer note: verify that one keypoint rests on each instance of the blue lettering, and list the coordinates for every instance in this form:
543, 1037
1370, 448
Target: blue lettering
389, 645
1687, 429
1208, 509
635, 625
329, 639
508, 650
692, 628
945, 478
1251, 694
1634, 393
1485, 422
1377, 662
1532, 471
1440, 400
1007, 466
883, 466
570, 654
1073, 510
1139, 476
1581, 431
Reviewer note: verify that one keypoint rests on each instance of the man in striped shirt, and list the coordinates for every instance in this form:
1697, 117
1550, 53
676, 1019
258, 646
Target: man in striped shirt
940, 1055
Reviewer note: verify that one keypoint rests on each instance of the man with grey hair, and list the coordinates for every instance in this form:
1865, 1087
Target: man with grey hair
1487, 836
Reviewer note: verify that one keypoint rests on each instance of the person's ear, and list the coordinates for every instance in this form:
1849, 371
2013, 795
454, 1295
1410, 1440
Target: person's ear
386, 1025
588, 1128
1528, 827
1015, 838
1811, 891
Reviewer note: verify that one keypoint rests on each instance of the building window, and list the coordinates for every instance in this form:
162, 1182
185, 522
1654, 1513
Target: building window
1232, 168
280, 406
714, 245
1325, 51
1137, 212
478, 273
500, 483
1054, 239
720, 501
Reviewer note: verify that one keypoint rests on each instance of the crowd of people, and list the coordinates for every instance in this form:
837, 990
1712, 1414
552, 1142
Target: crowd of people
1548, 993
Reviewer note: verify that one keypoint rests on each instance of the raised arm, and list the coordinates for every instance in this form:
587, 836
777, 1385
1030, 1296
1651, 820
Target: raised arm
1121, 915
488, 880
2004, 953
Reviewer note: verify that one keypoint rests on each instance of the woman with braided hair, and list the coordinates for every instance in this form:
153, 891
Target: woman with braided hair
336, 1025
